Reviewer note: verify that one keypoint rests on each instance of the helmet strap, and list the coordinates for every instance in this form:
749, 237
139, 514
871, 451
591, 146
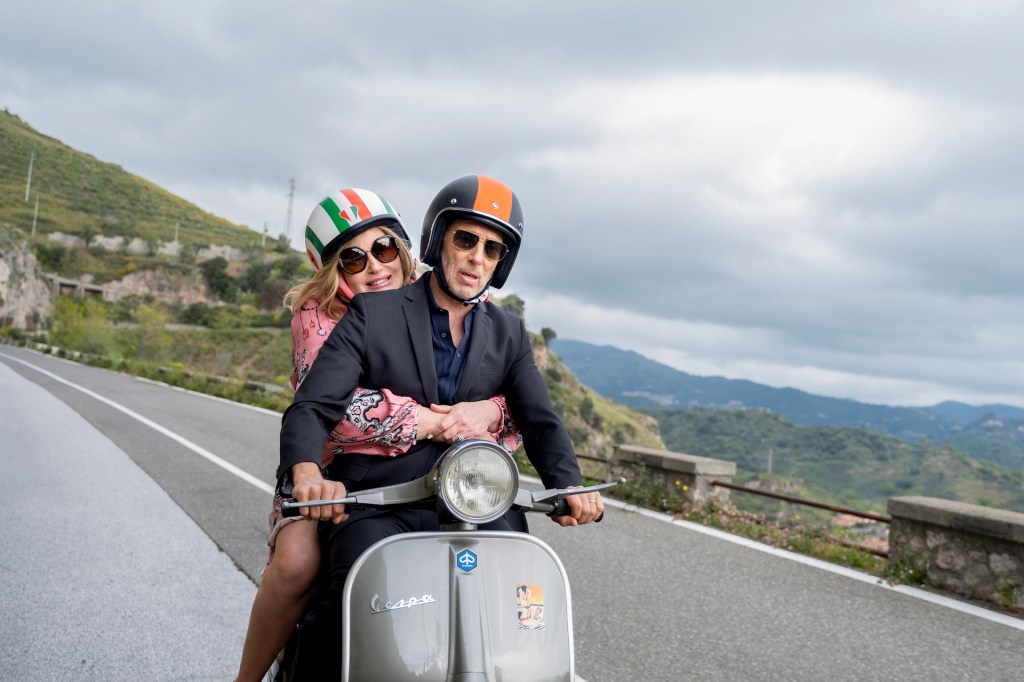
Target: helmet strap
443, 284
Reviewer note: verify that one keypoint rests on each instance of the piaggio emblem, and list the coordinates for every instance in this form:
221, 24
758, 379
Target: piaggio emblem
466, 560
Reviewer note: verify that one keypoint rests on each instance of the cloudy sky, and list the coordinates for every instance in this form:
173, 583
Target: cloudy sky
809, 194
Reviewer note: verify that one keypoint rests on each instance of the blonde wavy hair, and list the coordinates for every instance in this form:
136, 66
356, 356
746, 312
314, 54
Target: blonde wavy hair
323, 285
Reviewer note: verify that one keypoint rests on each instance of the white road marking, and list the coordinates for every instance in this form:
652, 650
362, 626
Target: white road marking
202, 452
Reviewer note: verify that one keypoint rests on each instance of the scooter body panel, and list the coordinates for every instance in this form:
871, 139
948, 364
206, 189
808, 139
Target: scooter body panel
471, 605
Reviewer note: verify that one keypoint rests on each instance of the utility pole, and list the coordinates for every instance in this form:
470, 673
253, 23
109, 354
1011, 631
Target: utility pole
28, 183
288, 220
35, 216
263, 244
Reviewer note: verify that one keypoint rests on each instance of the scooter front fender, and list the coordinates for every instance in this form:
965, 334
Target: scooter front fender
467, 606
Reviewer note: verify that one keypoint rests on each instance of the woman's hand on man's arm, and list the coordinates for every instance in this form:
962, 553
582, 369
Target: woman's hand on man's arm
462, 421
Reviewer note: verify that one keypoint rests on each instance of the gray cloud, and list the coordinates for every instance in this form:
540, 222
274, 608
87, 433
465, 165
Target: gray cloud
808, 194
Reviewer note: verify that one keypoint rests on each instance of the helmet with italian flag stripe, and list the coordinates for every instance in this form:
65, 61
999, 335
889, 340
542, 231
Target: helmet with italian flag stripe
481, 199
344, 215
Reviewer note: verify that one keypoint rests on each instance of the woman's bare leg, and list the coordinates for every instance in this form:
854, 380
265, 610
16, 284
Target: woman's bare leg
287, 586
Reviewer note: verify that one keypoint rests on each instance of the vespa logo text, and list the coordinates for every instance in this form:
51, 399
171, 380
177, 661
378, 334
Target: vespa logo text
378, 605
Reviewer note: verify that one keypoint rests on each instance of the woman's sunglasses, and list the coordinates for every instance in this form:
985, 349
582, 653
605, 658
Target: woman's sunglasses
353, 259
465, 240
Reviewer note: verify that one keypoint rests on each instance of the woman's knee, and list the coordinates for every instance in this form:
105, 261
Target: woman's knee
296, 559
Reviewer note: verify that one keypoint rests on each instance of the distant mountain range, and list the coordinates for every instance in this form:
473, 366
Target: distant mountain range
989, 432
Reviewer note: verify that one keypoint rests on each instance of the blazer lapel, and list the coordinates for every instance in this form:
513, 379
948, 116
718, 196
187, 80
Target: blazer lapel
479, 342
417, 318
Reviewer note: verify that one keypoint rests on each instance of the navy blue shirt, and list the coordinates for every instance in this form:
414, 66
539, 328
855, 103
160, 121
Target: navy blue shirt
448, 360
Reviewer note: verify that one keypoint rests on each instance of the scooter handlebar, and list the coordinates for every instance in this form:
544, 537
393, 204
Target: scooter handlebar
416, 491
562, 509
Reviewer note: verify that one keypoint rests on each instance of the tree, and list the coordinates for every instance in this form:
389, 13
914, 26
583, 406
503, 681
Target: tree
215, 271
197, 313
81, 325
514, 305
549, 335
154, 341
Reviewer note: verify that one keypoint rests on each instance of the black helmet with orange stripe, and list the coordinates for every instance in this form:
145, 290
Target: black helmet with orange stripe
483, 200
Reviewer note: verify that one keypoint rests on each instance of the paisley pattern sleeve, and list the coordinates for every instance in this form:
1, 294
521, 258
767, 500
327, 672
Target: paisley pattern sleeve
508, 435
377, 423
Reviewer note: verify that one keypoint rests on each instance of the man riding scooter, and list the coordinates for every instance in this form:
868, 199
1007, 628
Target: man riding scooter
438, 342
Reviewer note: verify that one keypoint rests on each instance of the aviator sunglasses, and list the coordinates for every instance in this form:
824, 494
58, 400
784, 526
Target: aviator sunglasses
353, 259
464, 240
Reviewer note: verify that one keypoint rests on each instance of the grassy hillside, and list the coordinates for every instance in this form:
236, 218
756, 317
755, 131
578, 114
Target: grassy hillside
79, 194
856, 465
595, 424
993, 439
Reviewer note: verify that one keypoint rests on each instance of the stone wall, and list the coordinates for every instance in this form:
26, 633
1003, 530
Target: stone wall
688, 474
964, 548
136, 245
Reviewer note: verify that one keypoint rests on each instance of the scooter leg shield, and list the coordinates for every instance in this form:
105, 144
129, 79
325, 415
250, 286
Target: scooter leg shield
457, 606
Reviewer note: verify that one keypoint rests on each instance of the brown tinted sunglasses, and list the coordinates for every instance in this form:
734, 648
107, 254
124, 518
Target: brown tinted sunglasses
353, 260
464, 240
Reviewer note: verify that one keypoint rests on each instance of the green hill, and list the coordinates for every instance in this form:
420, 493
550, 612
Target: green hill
989, 432
81, 195
860, 467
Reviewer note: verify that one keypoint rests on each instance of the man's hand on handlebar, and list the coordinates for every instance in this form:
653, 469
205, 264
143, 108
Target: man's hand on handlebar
309, 484
583, 508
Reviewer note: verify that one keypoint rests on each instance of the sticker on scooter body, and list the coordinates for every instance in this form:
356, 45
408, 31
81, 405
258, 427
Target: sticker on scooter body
466, 560
530, 606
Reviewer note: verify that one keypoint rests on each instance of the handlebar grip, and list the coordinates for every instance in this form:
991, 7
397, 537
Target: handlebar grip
562, 509
291, 512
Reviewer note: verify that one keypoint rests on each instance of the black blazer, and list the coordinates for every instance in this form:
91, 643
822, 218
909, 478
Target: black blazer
384, 341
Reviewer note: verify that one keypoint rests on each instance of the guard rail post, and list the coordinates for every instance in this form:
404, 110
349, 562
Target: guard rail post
688, 475
964, 548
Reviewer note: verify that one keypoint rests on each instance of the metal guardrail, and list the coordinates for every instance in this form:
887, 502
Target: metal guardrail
881, 518
871, 516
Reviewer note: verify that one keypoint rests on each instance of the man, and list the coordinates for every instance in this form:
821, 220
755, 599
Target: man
437, 342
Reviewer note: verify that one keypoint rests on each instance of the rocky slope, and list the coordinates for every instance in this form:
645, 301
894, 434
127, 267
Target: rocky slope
24, 295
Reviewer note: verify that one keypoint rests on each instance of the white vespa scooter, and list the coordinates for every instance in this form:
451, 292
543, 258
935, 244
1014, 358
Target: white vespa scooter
460, 603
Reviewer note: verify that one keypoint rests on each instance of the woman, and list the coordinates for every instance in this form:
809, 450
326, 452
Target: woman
357, 244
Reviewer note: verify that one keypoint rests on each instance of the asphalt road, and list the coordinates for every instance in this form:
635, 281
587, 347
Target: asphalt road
143, 566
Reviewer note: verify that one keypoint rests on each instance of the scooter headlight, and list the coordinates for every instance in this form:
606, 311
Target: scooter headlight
477, 481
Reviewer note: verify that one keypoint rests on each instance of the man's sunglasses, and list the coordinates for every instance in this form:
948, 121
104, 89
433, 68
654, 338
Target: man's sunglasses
353, 259
467, 241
